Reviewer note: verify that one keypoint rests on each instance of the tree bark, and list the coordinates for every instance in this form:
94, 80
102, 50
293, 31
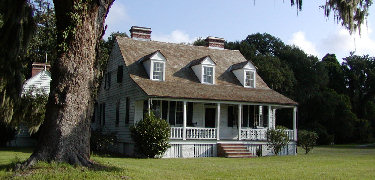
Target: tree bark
65, 133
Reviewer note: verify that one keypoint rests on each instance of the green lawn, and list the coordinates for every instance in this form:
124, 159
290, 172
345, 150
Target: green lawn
333, 162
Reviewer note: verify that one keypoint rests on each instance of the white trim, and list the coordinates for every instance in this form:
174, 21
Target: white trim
254, 78
152, 70
212, 75
295, 123
218, 121
226, 102
239, 120
184, 121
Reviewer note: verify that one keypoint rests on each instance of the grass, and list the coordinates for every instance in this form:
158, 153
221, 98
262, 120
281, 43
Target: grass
329, 162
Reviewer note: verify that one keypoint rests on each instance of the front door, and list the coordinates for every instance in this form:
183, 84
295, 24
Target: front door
210, 117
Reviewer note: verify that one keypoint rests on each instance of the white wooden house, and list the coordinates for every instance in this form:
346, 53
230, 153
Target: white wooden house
212, 97
38, 83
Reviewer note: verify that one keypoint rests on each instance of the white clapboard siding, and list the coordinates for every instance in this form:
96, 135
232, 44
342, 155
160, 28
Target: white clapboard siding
40, 81
117, 93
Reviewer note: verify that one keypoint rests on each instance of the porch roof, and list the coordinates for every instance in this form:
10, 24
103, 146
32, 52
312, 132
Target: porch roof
180, 80
211, 92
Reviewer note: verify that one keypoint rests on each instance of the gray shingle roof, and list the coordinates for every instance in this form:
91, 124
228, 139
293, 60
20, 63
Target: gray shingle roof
180, 80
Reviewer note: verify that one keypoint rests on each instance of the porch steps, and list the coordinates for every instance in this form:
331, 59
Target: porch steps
233, 151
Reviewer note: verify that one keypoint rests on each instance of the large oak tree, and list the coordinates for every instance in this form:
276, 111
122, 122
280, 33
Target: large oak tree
65, 133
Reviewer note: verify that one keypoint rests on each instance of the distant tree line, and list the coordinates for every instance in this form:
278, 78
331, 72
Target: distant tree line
335, 100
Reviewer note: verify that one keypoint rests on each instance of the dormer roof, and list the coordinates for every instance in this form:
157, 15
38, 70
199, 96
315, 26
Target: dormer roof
243, 65
202, 60
151, 56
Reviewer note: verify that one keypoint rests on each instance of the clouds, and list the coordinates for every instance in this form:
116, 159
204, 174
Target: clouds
176, 36
299, 40
343, 43
338, 42
117, 18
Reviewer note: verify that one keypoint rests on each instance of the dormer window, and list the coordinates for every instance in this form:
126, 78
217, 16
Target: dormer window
204, 69
245, 73
154, 65
208, 74
158, 71
249, 79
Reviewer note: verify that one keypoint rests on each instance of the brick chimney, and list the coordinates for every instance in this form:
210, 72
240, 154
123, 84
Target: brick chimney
37, 67
215, 42
140, 33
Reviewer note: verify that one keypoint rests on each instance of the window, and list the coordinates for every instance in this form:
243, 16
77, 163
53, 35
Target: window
190, 114
208, 74
158, 71
95, 113
172, 112
265, 117
119, 74
232, 115
179, 113
127, 111
100, 114
103, 114
249, 116
249, 79
117, 113
156, 108
107, 80
164, 113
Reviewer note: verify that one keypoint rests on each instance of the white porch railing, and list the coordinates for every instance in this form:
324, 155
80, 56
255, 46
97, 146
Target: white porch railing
261, 134
211, 133
290, 134
176, 132
200, 133
254, 134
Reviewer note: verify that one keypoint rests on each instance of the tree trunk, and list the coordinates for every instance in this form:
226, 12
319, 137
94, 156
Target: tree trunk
65, 133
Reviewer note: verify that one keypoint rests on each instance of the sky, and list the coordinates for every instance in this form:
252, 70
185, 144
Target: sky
180, 21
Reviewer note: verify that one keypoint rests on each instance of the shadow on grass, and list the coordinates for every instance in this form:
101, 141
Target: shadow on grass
350, 146
18, 149
97, 167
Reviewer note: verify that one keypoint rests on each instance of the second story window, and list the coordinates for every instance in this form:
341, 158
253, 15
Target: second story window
158, 71
249, 78
208, 74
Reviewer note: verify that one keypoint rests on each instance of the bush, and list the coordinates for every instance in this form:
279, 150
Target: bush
7, 133
100, 142
30, 110
307, 140
277, 139
151, 136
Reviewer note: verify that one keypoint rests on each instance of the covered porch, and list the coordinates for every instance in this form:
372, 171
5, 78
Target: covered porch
214, 120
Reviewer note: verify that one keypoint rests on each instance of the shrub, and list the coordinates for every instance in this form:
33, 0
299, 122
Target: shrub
31, 109
7, 133
100, 142
307, 140
151, 136
277, 139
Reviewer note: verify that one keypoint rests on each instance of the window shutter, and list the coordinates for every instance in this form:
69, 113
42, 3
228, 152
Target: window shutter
117, 113
127, 111
119, 74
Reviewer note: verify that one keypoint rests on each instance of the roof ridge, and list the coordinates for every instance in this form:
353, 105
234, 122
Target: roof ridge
181, 44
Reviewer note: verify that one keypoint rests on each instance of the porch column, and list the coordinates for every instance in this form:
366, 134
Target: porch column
273, 118
218, 121
295, 123
269, 119
239, 120
184, 122
149, 106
